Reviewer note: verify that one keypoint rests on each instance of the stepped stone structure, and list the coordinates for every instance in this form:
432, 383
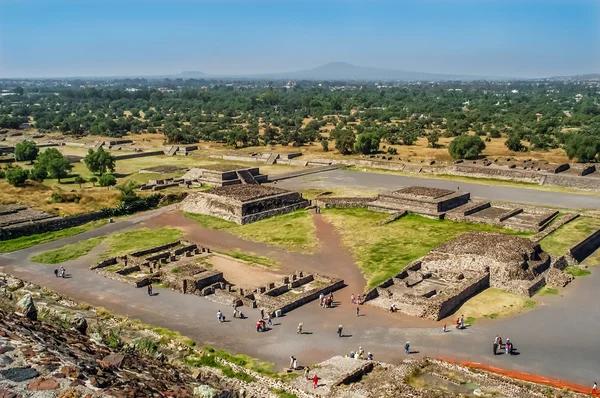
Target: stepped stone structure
221, 175
436, 285
244, 204
451, 205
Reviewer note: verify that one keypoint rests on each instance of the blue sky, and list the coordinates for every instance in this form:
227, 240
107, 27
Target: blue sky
526, 38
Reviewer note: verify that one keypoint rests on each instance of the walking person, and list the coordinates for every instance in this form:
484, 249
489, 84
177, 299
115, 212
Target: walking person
315, 381
462, 321
496, 344
262, 313
407, 348
235, 312
56, 272
352, 299
292, 359
444, 329
357, 311
62, 271
219, 316
149, 289
269, 320
507, 346
295, 364
339, 331
595, 389
299, 328
306, 371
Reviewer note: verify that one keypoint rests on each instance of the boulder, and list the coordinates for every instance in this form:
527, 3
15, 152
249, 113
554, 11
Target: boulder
80, 324
26, 307
204, 392
4, 393
115, 359
13, 283
42, 384
5, 361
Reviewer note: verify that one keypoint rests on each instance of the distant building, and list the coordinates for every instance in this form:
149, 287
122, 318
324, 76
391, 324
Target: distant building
539, 116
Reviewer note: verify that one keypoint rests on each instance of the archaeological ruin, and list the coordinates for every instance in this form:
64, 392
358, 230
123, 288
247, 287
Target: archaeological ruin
244, 203
437, 284
221, 175
189, 269
450, 205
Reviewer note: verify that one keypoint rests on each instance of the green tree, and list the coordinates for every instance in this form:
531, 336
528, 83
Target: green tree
99, 162
80, 180
367, 143
513, 142
466, 146
93, 180
433, 138
127, 190
54, 163
38, 173
325, 145
107, 180
582, 146
344, 141
26, 151
16, 176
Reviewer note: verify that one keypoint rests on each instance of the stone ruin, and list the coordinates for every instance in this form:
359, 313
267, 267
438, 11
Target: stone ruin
277, 297
244, 204
15, 215
448, 204
437, 284
157, 185
173, 264
178, 266
221, 175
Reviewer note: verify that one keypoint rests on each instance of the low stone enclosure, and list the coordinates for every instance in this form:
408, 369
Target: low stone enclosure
221, 175
244, 204
344, 377
436, 285
448, 204
185, 268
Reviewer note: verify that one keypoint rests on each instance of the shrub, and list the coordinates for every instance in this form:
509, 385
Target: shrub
26, 150
466, 147
16, 176
38, 174
392, 151
325, 145
367, 143
107, 180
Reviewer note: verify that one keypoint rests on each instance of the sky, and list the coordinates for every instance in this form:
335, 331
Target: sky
506, 38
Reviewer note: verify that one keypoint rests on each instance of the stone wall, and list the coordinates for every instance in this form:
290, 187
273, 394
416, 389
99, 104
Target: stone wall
342, 203
155, 249
55, 224
450, 304
473, 170
573, 181
583, 249
562, 221
139, 155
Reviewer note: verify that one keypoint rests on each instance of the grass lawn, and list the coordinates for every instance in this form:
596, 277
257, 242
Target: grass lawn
139, 239
68, 252
576, 271
293, 231
548, 291
559, 241
383, 251
494, 303
25, 242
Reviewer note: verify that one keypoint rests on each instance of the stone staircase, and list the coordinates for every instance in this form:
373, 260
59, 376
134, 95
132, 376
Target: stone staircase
245, 177
172, 150
272, 158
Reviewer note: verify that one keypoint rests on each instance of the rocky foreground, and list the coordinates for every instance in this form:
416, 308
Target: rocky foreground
53, 347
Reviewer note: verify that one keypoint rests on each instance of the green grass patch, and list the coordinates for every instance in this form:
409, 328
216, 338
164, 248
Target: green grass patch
284, 394
139, 239
210, 360
547, 291
383, 251
576, 271
470, 320
293, 231
529, 304
25, 242
251, 258
559, 241
264, 368
68, 252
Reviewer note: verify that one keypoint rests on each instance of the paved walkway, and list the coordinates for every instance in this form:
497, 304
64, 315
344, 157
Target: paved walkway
558, 339
365, 180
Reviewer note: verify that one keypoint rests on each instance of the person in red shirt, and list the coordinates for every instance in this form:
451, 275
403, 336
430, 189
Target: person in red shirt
315, 381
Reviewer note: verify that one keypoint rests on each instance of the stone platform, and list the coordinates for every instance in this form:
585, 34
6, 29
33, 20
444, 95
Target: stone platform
244, 204
221, 175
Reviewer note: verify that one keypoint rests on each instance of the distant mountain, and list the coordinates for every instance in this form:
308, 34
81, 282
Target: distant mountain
346, 71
